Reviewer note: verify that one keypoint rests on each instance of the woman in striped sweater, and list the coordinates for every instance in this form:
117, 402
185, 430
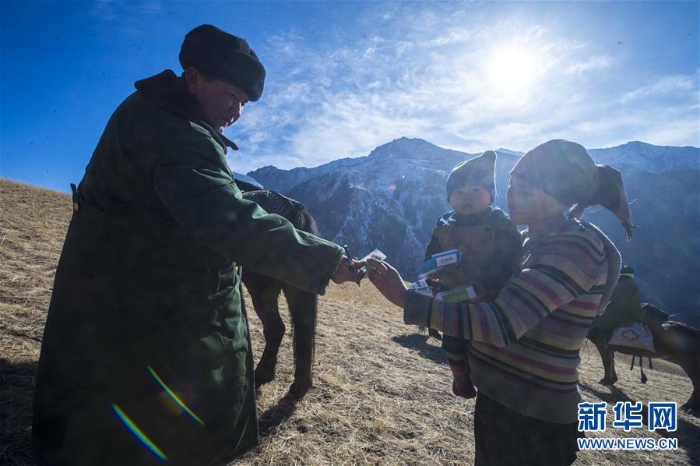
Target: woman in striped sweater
526, 342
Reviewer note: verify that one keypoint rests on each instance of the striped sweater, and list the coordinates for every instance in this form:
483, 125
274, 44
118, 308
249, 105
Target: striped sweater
526, 343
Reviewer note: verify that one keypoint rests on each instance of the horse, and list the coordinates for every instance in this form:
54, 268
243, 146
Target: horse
671, 339
303, 305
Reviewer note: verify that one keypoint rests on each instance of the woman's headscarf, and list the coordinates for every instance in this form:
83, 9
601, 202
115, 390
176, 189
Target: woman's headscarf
564, 170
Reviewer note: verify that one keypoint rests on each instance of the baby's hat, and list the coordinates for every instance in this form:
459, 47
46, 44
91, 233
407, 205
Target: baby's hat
479, 171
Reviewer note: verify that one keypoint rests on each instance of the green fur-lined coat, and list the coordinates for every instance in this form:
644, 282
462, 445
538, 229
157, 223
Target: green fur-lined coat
146, 355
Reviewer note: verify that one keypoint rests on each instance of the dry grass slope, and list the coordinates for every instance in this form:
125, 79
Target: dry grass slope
381, 391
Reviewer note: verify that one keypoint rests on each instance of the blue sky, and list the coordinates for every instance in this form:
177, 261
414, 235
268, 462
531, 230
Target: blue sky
345, 77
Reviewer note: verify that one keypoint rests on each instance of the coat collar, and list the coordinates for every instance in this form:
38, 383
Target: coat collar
169, 93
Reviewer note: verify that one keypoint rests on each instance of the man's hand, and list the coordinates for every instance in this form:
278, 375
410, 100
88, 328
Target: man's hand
348, 271
388, 281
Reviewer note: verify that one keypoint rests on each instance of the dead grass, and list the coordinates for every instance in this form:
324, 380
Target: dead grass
381, 391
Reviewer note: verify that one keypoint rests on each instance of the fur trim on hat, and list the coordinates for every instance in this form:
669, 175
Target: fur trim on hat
479, 171
220, 55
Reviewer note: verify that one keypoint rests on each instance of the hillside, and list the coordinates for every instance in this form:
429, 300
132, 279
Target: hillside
381, 391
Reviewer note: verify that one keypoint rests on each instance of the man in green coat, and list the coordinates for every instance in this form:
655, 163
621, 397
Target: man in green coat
146, 355
624, 307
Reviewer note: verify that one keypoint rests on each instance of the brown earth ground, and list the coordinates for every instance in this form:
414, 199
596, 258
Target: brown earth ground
382, 389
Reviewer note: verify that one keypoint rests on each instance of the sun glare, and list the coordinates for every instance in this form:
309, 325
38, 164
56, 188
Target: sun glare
511, 69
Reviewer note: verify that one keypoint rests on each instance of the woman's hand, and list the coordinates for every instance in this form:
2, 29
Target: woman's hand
388, 281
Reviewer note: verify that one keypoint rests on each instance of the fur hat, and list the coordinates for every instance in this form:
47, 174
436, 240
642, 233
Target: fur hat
479, 171
218, 54
564, 170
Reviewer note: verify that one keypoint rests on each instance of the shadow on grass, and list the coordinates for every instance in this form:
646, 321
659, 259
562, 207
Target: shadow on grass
687, 433
274, 416
16, 397
420, 343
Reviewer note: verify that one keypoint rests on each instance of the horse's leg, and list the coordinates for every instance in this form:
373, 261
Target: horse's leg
264, 292
692, 406
691, 366
611, 373
607, 357
303, 308
684, 347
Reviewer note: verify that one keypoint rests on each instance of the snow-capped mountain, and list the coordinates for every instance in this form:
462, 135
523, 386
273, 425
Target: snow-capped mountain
391, 199
641, 156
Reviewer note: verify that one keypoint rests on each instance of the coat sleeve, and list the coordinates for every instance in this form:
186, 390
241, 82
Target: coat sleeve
434, 244
509, 249
555, 275
196, 188
433, 247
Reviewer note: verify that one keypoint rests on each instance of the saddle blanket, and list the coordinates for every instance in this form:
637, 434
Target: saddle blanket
637, 335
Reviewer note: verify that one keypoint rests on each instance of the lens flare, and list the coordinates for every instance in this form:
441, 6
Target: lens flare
174, 397
138, 433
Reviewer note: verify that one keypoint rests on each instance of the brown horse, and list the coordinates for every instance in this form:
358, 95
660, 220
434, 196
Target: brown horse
303, 306
671, 339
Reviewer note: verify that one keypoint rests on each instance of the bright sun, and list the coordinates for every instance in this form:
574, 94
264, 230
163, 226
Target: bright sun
511, 69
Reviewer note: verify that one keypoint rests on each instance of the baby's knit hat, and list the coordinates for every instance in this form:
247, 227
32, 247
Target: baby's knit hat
479, 171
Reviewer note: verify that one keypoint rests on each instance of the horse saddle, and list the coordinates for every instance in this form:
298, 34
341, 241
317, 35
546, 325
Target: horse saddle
638, 335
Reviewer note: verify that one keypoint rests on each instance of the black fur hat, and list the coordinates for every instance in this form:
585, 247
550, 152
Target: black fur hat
479, 171
218, 54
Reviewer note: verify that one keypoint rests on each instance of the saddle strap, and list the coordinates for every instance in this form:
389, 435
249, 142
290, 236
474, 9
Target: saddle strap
275, 203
